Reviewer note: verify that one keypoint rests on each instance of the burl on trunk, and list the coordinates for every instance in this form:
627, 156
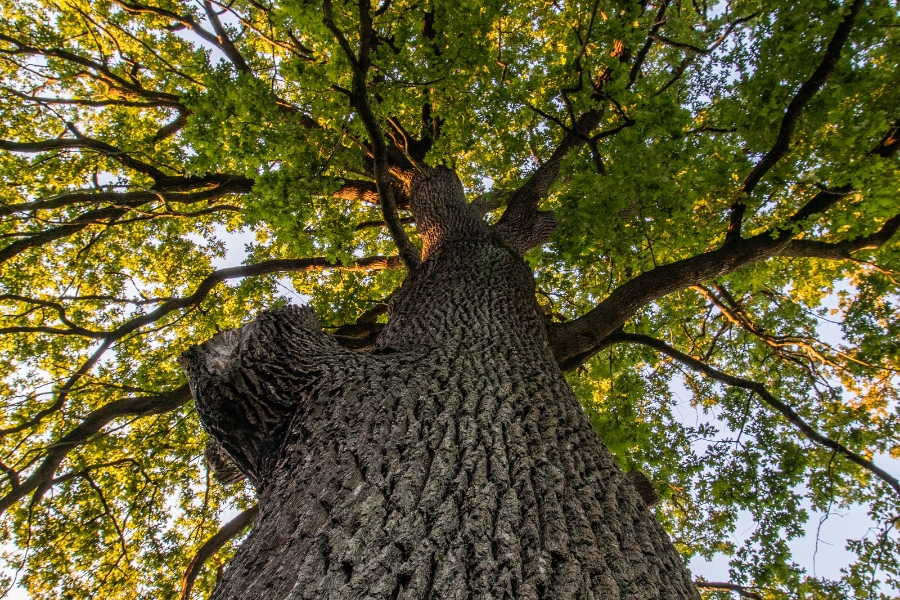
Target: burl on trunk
451, 461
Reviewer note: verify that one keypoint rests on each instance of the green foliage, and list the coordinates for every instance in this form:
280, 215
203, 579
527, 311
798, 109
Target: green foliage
128, 506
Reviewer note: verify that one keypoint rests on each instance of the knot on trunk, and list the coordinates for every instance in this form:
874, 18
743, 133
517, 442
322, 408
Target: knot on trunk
526, 231
442, 214
644, 487
246, 383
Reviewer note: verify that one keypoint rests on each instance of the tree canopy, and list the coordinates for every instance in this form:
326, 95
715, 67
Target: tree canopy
723, 180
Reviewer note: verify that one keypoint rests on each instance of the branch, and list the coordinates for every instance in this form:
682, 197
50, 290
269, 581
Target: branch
359, 99
373, 263
843, 250
889, 144
522, 222
123, 203
219, 39
74, 226
223, 42
41, 479
87, 143
576, 341
743, 592
522, 207
211, 546
760, 390
642, 53
789, 122
101, 72
264, 268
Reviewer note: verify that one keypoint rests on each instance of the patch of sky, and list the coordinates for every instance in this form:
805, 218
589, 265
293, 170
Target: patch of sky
236, 245
822, 550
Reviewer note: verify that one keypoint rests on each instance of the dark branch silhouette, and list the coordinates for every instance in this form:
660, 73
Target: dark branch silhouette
789, 122
760, 390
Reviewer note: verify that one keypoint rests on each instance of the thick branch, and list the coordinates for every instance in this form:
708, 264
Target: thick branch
245, 381
792, 115
522, 206
367, 191
360, 101
211, 546
40, 480
576, 341
760, 390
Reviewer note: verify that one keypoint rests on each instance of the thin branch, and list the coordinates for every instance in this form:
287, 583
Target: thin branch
223, 41
645, 49
760, 390
843, 250
99, 71
82, 142
215, 189
373, 263
211, 546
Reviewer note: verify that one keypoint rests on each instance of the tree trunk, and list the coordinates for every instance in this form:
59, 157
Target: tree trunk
452, 461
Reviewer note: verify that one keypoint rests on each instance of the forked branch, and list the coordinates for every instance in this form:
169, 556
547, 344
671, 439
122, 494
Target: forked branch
360, 64
807, 90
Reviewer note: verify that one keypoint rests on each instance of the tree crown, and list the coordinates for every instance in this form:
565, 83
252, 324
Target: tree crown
720, 182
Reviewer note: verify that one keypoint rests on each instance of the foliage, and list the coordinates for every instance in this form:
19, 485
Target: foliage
136, 133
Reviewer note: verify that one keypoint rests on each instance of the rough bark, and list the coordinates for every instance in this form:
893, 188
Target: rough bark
451, 461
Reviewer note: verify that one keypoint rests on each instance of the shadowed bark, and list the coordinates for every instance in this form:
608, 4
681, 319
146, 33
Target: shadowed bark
451, 461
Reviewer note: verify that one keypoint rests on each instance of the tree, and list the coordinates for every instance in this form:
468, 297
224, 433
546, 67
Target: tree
704, 197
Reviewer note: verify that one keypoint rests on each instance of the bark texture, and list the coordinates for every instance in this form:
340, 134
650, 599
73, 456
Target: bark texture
452, 461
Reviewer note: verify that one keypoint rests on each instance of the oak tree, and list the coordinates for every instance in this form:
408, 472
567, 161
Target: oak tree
527, 238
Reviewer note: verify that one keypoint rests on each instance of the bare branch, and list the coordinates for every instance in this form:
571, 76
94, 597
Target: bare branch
373, 263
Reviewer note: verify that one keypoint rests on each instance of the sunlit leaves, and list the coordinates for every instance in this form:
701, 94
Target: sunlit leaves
677, 135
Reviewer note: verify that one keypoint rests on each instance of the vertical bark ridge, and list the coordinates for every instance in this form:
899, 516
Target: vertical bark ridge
453, 462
